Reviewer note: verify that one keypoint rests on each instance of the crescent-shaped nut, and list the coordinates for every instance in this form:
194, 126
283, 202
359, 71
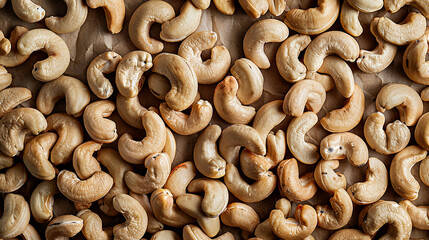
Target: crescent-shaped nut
86, 191
344, 145
248, 74
249, 193
75, 92
129, 80
135, 218
403, 182
166, 235
63, 227
42, 201
104, 63
276, 7
97, 125
206, 156
15, 124
226, 7
341, 72
58, 53
424, 170
215, 195
16, 216
305, 152
419, 215
292, 186
73, 19
240, 215
332, 42
261, 32
394, 5
412, 28
375, 185
414, 60
13, 179
130, 110
180, 177
366, 6
212, 70
158, 169
12, 97
349, 18
153, 226
268, 117
201, 4
304, 94
236, 136
326, 178
178, 28
314, 20
84, 163
135, 152
14, 57
347, 117
184, 83
158, 85
5, 77
338, 214
300, 227
28, 11
36, 156
166, 210
114, 11
92, 225
349, 234
254, 8
192, 232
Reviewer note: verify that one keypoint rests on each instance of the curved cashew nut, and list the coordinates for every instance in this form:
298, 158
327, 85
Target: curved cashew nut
165, 235
412, 28
58, 53
419, 215
326, 178
135, 218
14, 57
13, 179
342, 74
292, 186
304, 94
153, 226
158, 169
16, 216
114, 11
15, 124
226, 7
83, 161
42, 201
414, 61
5, 77
209, 71
184, 83
131, 111
248, 74
276, 7
264, 231
339, 214
36, 156
421, 131
92, 225
135, 152
375, 185
159, 85
215, 195
27, 10
12, 97
301, 226
326, 80
201, 4
5, 161
423, 171
366, 6
349, 17
268, 117
72, 21
305, 152
254, 8
403, 182
76, 93
264, 31
98, 127
63, 227
192, 232
349, 234
394, 6
178, 28
104, 63
240, 215
180, 177
344, 145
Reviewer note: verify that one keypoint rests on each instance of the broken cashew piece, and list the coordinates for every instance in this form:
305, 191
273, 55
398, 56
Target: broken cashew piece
248, 74
414, 60
341, 72
326, 178
5, 45
63, 227
344, 145
276, 7
96, 123
42, 201
92, 225
16, 216
180, 177
349, 17
104, 63
410, 29
114, 11
300, 227
226, 7
419, 215
27, 10
254, 8
240, 215
84, 163
135, 218
14, 57
304, 94
75, 17
215, 195
11, 97
36, 156
366, 6
338, 214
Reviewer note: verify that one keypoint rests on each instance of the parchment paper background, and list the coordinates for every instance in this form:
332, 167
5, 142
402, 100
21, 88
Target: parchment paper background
93, 39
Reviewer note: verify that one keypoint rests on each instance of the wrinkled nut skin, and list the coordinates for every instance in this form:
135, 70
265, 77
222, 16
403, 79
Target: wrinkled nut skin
414, 60
215, 195
300, 227
92, 225
63, 227
13, 179
180, 177
248, 74
254, 8
114, 11
135, 218
75, 17
14, 57
27, 10
104, 63
349, 18
304, 94
12, 97
16, 216
411, 29
192, 232
366, 6
42, 201
153, 225
84, 163
341, 72
36, 156
97, 125
240, 215
338, 214
349, 234
419, 215
326, 178
344, 145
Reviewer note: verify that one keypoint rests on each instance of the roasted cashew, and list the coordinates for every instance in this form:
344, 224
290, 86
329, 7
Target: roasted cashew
63, 227
58, 53
375, 185
419, 215
414, 60
166, 235
215, 195
16, 216
5, 77
349, 17
92, 226
395, 5
12, 97
421, 132
264, 231
14, 57
72, 21
27, 10
170, 145
36, 156
249, 75
104, 63
84, 163
180, 177
114, 11
342, 74
314, 20
13, 179
326, 178
254, 8
42, 201
349, 234
30, 233
192, 232
96, 123
240, 215
153, 225
135, 218
339, 214
300, 227
5, 45
366, 6
276, 7
268, 117
261, 32
344, 145
5, 161
410, 29
226, 7
304, 94
423, 171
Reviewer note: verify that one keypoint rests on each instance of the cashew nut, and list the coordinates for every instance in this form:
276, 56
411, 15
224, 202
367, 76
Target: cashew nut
130, 110
153, 226
305, 93
30, 233
276, 7
344, 145
63, 227
424, 170
42, 201
326, 80
104, 63
14, 57
410, 29
339, 214
27, 10
83, 161
114, 11
12, 97
394, 6
98, 127
5, 161
92, 225
300, 227
268, 116
349, 17
180, 177
249, 75
170, 145
254, 8
419, 215
166, 235
5, 45
36, 156
349, 234
414, 60
342, 74
226, 7
13, 179
326, 178
158, 85
240, 215
72, 21
215, 195
16, 216
192, 232
366, 6
135, 218
5, 77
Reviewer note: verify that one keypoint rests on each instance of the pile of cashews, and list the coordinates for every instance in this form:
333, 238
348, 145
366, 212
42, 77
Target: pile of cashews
233, 167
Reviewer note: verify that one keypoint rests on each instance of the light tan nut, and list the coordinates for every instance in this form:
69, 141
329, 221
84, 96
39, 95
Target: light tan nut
192, 232
264, 231
264, 31
201, 4
153, 225
292, 186
16, 216
381, 57
84, 164
70, 135
332, 42
314, 20
403, 182
344, 145
410, 29
424, 171
414, 60
394, 5
12, 97
215, 195
268, 117
212, 70
166, 235
249, 193
5, 161
249, 75
366, 6
342, 74
418, 214
42, 201
2, 3
96, 123
36, 156
375, 185
254, 8
326, 80
104, 63
300, 227
15, 124
14, 57
30, 233
304, 94
159, 85
180, 177
166, 211
129, 72
276, 7
130, 110
135, 218
13, 179
28, 11
347, 117
349, 17
5, 45
170, 145
421, 132
349, 234
236, 136
114, 11
305, 152
73, 19
240, 215
58, 53
63, 227
226, 7
374, 216
75, 92
184, 84
326, 178
92, 225
135, 152
90, 190
227, 104
178, 28
158, 169
5, 77
338, 214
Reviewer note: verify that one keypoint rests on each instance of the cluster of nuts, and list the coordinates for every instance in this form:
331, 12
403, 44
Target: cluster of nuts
198, 191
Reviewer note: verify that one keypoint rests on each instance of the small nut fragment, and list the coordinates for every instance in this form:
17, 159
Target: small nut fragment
419, 215
42, 201
98, 127
344, 145
104, 63
326, 178
75, 17
16, 216
300, 227
226, 7
5, 45
63, 227
305, 93
254, 8
114, 11
339, 214
410, 29
180, 177
240, 215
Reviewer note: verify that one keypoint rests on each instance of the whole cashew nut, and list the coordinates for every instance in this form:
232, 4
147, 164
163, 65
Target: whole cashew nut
419, 215
342, 74
42, 201
14, 57
326, 178
92, 225
215, 195
414, 61
114, 11
349, 18
36, 156
98, 127
394, 6
300, 227
349, 234
254, 8
410, 29
27, 10
84, 163
104, 63
13, 179
366, 6
192, 232
63, 227
339, 214
304, 94
12, 97
72, 21
248, 74
180, 177
226, 7
135, 218
16, 216
153, 226
240, 215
